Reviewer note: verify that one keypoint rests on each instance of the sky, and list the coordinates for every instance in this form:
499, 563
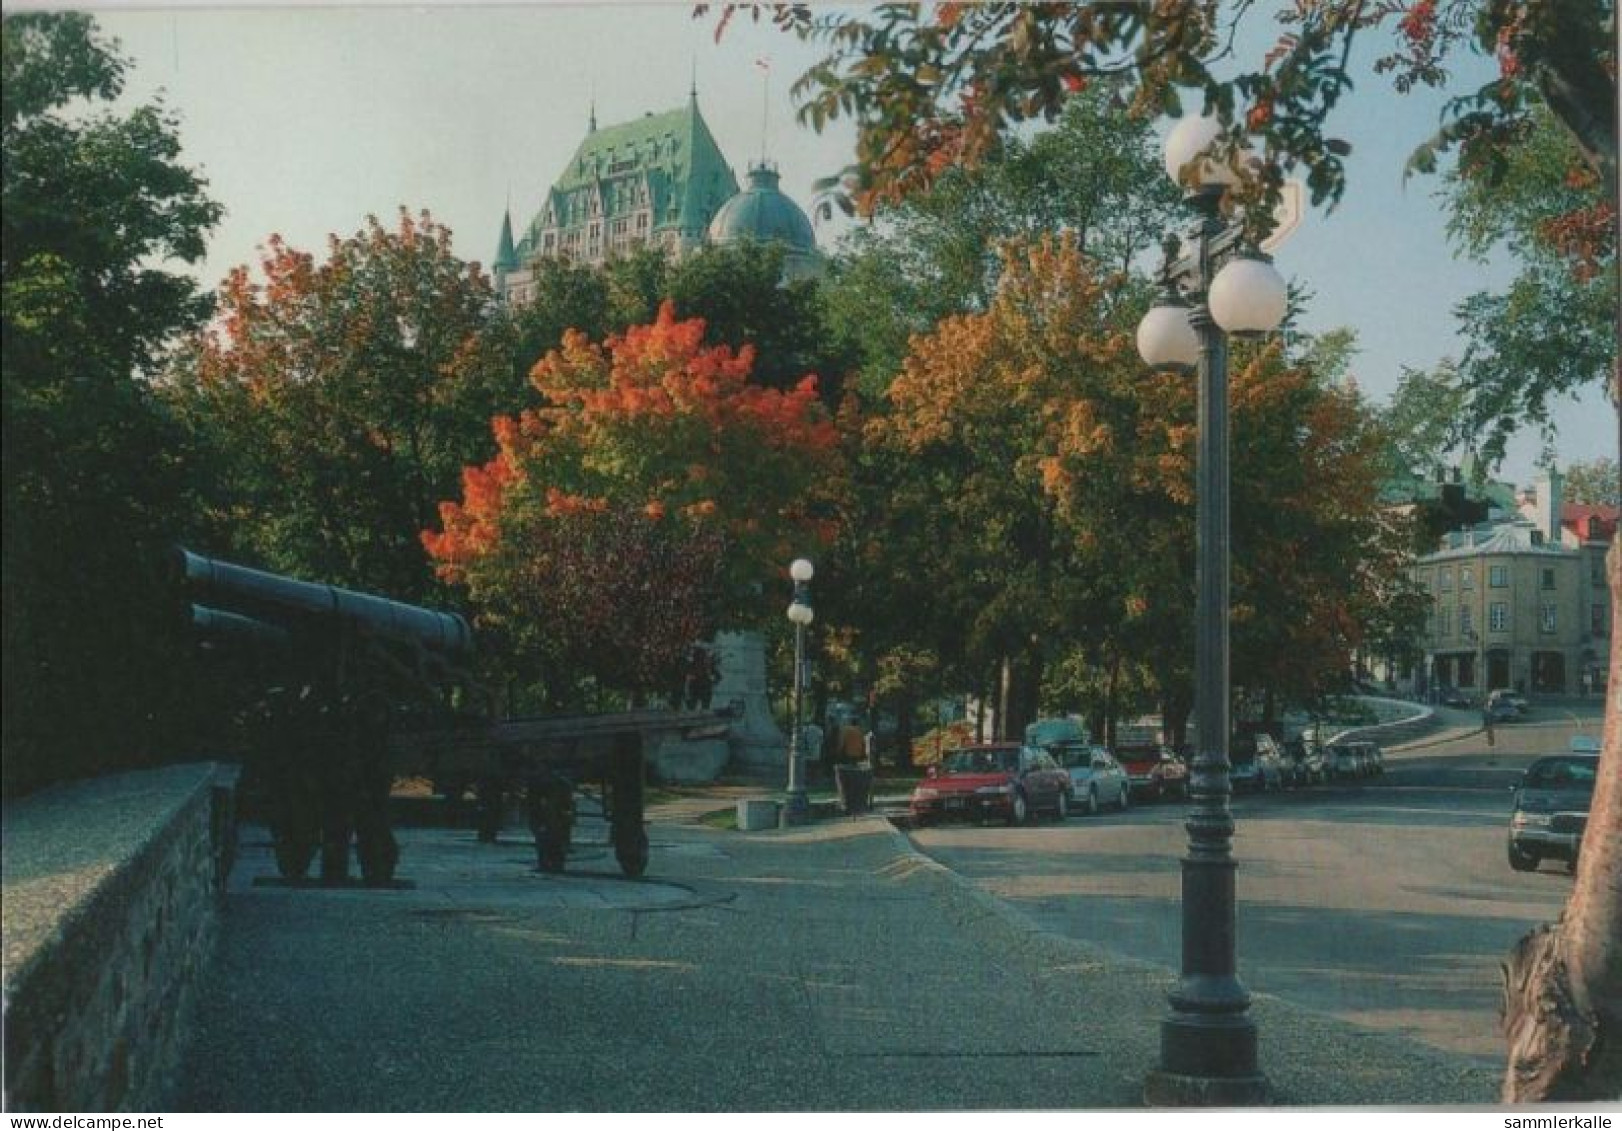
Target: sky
306, 119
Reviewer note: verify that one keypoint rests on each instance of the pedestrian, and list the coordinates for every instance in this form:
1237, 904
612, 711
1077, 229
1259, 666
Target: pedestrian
852, 746
811, 740
1486, 723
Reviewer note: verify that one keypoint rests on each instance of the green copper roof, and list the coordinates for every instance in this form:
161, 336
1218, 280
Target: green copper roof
669, 160
762, 212
506, 254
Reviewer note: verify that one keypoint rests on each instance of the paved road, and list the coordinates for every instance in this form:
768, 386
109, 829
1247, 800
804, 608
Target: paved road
1388, 903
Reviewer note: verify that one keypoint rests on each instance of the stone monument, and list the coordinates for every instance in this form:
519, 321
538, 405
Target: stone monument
754, 743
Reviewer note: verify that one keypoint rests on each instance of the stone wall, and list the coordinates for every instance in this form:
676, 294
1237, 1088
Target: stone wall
111, 895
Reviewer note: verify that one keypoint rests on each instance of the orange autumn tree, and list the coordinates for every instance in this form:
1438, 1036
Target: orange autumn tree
1055, 478
694, 483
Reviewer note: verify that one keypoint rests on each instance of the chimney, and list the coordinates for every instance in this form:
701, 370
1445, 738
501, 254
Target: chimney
1548, 506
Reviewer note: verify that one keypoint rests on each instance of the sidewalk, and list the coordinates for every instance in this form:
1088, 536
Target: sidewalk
829, 967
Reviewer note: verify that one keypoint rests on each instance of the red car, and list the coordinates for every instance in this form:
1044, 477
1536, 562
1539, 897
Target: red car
1154, 770
995, 781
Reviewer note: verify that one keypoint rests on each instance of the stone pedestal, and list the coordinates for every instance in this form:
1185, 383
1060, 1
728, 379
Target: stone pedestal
756, 743
756, 814
690, 761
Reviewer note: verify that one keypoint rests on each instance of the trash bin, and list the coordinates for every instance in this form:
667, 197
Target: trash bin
855, 784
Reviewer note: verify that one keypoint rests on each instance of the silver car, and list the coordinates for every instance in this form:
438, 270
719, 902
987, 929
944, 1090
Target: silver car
1096, 778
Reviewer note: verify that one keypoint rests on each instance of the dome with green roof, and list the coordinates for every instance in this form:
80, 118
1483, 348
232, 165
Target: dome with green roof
762, 212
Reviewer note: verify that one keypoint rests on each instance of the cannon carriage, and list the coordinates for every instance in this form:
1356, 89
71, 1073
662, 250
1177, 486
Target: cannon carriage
357, 689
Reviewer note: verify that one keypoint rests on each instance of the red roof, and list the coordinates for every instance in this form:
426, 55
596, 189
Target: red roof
1590, 523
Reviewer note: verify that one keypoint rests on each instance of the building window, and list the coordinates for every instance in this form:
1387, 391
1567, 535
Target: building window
1467, 577
1498, 617
1466, 621
1548, 620
1596, 621
1548, 579
1444, 622
1596, 569
1444, 579
1498, 576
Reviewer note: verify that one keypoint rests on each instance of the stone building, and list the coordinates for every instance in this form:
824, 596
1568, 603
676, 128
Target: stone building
1521, 604
658, 181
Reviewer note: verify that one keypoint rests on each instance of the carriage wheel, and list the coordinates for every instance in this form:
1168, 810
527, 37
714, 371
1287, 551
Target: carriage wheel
631, 850
551, 819
630, 837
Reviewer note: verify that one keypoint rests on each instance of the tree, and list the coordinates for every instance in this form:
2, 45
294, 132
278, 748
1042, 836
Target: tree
566, 296
606, 600
934, 87
651, 422
1422, 420
1594, 483
96, 207
1093, 177
1053, 479
342, 400
1553, 331
736, 289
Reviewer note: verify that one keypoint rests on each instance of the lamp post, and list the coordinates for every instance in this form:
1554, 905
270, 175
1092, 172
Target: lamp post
1220, 286
796, 809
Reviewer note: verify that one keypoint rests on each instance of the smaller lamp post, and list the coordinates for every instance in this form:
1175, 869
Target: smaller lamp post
797, 809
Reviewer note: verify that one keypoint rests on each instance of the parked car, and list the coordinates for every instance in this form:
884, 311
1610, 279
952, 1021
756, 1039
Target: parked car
1374, 757
1297, 764
1505, 707
1275, 753
1096, 778
1045, 733
1453, 697
992, 781
1154, 771
1552, 800
1316, 759
1256, 762
1509, 701
1345, 760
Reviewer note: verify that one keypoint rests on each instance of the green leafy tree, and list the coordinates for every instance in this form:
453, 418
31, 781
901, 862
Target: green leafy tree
1594, 483
342, 400
1422, 420
566, 296
1553, 331
1093, 176
738, 291
96, 208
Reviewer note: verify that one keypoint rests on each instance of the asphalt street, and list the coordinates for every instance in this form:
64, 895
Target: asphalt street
1386, 901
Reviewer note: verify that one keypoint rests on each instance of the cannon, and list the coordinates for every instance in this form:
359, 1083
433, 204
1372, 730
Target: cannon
359, 689
337, 671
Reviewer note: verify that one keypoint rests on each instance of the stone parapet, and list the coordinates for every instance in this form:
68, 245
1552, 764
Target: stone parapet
110, 899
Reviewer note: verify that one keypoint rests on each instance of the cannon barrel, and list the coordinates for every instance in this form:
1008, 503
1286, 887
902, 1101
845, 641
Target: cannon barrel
216, 624
256, 595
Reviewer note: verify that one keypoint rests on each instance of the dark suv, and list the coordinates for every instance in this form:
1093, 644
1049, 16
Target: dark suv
1551, 810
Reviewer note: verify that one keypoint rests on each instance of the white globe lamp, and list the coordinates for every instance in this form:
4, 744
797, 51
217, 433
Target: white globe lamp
1167, 338
1248, 297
